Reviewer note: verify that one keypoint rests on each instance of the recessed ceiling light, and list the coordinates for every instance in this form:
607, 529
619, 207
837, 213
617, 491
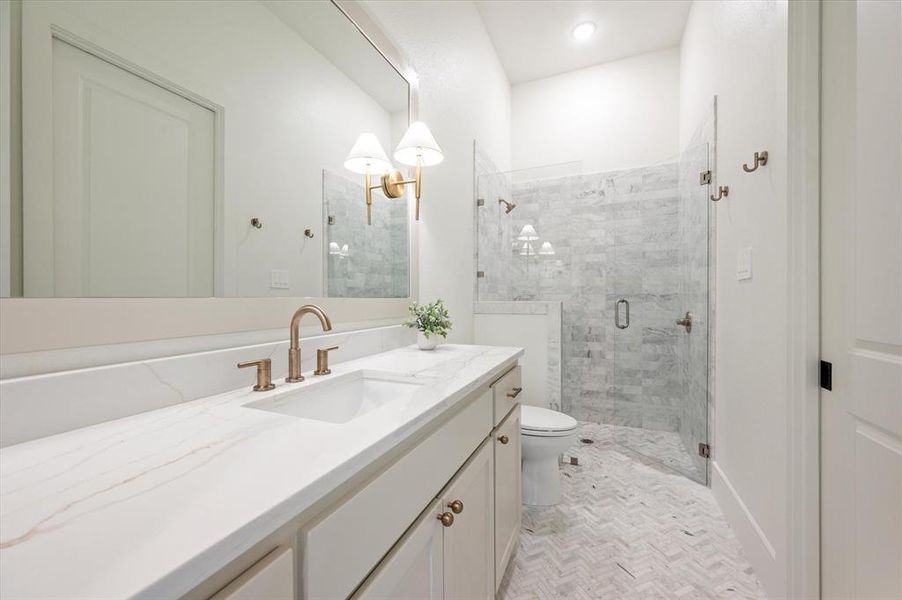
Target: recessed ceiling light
583, 31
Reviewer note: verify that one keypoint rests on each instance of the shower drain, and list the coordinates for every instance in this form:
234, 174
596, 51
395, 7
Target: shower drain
586, 441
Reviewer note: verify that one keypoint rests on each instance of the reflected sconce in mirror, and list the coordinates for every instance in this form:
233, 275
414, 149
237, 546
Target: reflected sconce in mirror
528, 234
417, 148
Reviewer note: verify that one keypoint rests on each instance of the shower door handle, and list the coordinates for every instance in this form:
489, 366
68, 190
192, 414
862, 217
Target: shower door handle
626, 305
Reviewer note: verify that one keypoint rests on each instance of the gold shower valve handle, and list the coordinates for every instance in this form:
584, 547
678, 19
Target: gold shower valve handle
446, 518
456, 506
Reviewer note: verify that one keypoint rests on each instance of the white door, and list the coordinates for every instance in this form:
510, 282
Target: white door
469, 542
861, 279
508, 491
133, 188
413, 569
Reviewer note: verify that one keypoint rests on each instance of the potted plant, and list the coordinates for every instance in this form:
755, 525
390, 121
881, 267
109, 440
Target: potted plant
431, 322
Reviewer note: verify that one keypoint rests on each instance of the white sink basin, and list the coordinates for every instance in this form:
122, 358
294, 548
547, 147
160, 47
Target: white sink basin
342, 398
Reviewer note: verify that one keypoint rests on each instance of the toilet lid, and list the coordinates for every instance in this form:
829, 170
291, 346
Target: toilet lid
534, 418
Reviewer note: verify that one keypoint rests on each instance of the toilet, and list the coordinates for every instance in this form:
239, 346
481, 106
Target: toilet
545, 435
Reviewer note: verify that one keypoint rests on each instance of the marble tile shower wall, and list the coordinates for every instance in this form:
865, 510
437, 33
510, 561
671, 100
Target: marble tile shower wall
615, 235
375, 264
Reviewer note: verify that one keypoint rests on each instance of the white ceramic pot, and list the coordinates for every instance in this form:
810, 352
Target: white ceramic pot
427, 343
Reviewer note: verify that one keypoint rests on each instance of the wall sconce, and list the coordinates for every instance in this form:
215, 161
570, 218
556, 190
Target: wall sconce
417, 148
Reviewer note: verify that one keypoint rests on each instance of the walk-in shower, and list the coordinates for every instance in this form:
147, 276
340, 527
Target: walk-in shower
626, 255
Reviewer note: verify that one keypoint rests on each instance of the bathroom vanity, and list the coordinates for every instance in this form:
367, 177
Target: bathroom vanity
396, 475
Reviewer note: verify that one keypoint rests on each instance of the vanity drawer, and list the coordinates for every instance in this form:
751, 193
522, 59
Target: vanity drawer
506, 392
339, 549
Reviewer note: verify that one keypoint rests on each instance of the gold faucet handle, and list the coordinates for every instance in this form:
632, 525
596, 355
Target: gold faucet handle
322, 361
264, 373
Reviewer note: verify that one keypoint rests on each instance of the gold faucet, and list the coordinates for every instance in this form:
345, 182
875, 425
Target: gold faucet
294, 350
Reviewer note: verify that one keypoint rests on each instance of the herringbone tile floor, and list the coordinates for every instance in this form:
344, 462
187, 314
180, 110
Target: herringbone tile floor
626, 529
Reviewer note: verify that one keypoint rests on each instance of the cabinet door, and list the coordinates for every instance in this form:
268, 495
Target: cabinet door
508, 492
469, 542
413, 569
271, 578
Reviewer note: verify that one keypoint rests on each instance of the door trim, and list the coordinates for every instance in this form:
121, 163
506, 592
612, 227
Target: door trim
803, 301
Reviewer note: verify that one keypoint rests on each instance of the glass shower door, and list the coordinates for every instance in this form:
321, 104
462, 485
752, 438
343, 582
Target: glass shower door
656, 274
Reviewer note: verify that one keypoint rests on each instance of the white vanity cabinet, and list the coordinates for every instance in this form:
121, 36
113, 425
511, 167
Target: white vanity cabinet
439, 519
450, 559
508, 491
415, 567
271, 578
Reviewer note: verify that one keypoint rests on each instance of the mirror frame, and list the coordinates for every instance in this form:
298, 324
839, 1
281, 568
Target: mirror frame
45, 324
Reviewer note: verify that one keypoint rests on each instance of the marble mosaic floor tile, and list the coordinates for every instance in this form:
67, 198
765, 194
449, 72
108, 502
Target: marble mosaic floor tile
626, 529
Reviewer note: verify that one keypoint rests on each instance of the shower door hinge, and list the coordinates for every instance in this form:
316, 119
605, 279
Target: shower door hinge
704, 178
480, 202
480, 274
704, 450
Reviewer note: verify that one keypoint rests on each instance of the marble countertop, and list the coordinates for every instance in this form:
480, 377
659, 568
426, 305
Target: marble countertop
151, 505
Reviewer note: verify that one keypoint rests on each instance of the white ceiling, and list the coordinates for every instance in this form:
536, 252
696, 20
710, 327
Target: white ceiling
532, 37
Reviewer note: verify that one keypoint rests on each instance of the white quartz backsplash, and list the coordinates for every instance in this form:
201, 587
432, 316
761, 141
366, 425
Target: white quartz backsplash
42, 405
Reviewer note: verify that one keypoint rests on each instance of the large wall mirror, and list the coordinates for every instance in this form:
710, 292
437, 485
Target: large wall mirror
195, 149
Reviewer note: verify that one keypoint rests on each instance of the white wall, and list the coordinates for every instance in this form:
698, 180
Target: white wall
738, 51
616, 115
464, 96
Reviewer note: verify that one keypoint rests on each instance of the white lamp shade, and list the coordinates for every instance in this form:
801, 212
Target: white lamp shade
527, 249
418, 143
367, 156
546, 249
528, 234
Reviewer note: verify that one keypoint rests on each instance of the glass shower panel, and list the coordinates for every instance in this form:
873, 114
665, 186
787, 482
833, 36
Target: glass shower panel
658, 223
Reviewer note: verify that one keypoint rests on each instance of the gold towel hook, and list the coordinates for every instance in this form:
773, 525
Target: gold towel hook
722, 192
759, 161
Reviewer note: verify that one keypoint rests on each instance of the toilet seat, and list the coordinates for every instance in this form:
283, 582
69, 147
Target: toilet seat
542, 422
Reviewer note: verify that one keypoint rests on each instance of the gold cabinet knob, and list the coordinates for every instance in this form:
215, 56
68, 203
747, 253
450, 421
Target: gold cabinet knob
456, 506
447, 519
504, 439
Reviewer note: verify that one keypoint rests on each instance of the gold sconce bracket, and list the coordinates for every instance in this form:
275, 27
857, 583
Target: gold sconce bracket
392, 185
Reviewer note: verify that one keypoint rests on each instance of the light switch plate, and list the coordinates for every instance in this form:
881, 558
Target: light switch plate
744, 264
278, 279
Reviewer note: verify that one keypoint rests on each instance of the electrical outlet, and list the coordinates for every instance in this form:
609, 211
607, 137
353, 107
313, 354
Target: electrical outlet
278, 279
744, 264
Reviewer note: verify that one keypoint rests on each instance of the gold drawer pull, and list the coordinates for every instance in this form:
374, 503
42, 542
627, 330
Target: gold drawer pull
456, 507
446, 518
504, 439
514, 392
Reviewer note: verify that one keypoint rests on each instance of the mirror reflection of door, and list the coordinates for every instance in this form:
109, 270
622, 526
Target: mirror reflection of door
133, 202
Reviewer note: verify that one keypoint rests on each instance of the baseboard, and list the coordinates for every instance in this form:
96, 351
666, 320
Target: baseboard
755, 544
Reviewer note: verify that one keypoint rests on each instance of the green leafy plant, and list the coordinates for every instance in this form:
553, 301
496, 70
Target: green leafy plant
431, 319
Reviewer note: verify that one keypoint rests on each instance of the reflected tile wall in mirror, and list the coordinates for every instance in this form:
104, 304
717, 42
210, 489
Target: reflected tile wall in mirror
364, 261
